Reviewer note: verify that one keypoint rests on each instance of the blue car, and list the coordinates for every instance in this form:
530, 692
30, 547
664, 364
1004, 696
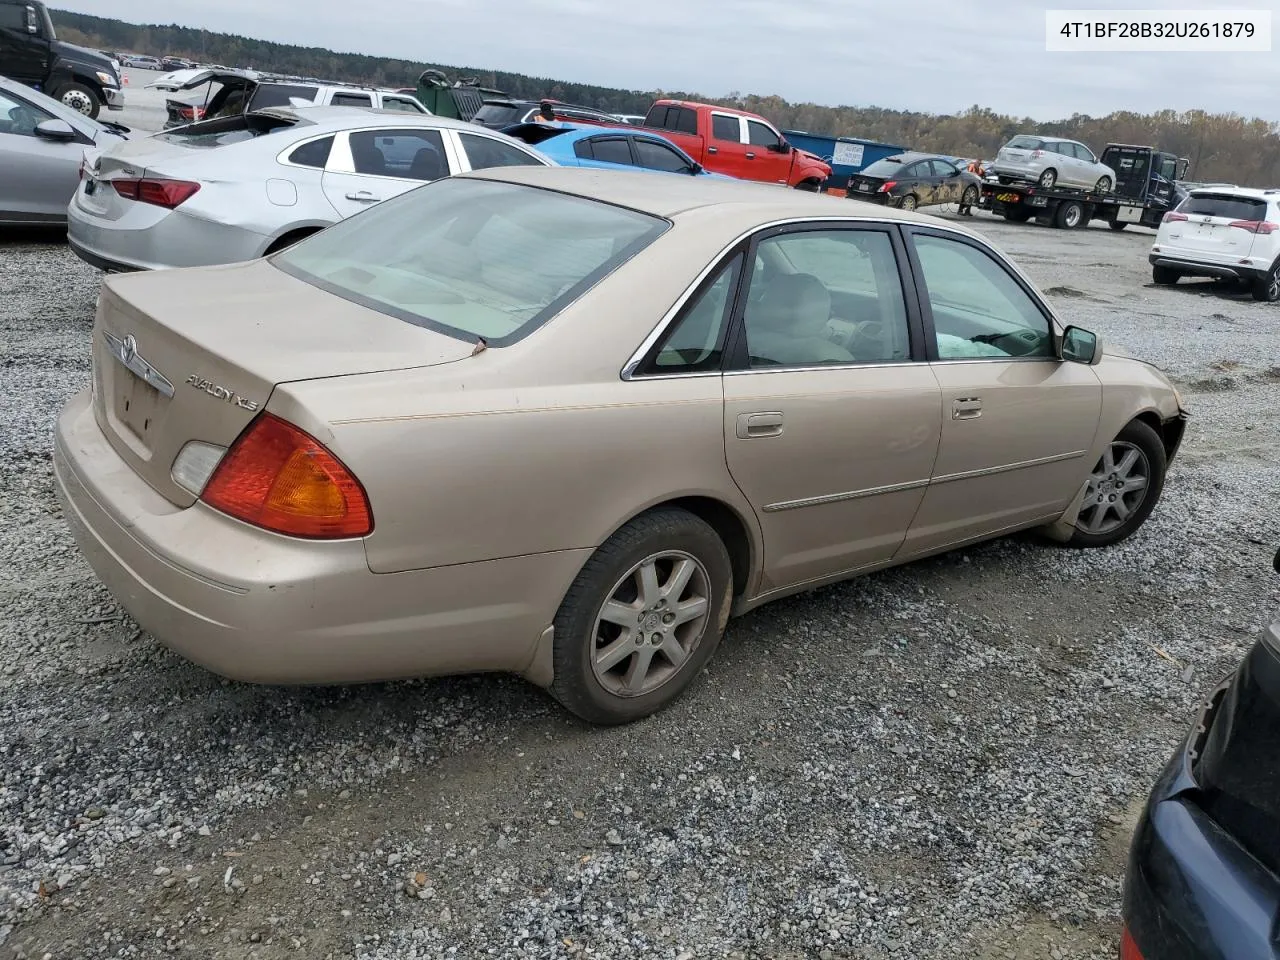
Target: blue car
609, 148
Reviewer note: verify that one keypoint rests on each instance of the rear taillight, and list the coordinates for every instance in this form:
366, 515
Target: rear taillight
191, 113
1128, 948
1172, 217
162, 193
1254, 226
277, 477
887, 186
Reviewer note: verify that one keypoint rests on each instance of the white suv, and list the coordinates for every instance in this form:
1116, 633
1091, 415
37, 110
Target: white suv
1228, 233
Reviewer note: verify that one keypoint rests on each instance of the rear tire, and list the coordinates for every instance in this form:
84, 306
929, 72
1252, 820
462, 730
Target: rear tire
1267, 289
1124, 488
909, 202
1103, 185
610, 669
79, 98
1070, 215
1164, 276
1048, 179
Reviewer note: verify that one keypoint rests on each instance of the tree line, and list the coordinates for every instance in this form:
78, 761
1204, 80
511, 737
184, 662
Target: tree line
1221, 146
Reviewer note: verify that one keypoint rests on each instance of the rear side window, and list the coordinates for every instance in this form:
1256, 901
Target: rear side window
607, 149
1224, 205
279, 95
351, 100
677, 119
486, 152
695, 342
313, 154
725, 128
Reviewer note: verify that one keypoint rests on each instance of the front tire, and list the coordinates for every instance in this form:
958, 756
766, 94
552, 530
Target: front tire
809, 186
969, 197
1165, 277
79, 98
1267, 289
642, 618
1123, 489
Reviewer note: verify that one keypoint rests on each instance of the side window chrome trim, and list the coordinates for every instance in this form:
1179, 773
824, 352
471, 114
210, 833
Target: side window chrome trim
628, 371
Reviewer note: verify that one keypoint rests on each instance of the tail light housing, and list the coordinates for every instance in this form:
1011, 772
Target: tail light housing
161, 193
887, 186
1255, 226
1172, 217
1128, 947
191, 113
278, 477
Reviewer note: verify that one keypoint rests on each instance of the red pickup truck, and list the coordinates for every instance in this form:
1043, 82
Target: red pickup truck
736, 144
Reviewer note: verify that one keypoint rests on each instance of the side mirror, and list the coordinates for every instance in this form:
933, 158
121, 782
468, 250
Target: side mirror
695, 169
55, 130
33, 23
1081, 346
782, 147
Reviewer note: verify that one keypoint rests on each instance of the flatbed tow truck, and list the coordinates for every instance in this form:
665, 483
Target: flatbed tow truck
1147, 187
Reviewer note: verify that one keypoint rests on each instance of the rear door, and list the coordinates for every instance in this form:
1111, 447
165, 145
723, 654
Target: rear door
604, 151
831, 427
1217, 224
368, 166
769, 164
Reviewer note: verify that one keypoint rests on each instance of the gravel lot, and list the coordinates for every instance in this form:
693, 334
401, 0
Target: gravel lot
938, 761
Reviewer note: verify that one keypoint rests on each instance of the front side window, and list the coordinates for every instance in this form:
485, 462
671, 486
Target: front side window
18, 117
979, 309
826, 297
486, 152
472, 258
761, 135
410, 154
13, 17
941, 168
695, 341
657, 156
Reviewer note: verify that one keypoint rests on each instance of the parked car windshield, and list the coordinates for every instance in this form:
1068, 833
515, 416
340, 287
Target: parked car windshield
1224, 205
472, 258
888, 167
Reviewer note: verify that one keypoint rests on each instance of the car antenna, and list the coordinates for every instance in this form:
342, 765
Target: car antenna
481, 345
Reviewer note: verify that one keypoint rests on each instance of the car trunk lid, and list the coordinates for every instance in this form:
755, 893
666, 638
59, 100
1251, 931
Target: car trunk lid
190, 79
1236, 761
1224, 225
194, 355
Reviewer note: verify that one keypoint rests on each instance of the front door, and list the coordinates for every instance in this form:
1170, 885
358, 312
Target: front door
949, 182
831, 427
25, 56
727, 147
368, 166
1017, 422
37, 175
768, 163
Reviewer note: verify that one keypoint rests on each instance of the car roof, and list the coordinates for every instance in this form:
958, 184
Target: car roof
673, 198
342, 118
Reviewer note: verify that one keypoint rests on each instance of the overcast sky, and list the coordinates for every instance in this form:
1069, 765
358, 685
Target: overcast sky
932, 55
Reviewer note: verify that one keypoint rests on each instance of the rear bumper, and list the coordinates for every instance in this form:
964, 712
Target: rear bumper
881, 199
1217, 268
255, 606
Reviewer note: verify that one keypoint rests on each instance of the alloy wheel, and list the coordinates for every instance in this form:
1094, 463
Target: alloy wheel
651, 623
1117, 487
78, 101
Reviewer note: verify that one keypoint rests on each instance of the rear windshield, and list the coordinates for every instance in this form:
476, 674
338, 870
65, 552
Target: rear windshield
500, 113
472, 258
1224, 205
1025, 143
883, 168
279, 94
226, 130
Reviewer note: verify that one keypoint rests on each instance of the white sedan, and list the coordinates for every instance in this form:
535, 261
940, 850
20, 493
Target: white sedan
238, 188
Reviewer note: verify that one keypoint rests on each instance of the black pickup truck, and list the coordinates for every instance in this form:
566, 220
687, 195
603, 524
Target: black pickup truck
31, 53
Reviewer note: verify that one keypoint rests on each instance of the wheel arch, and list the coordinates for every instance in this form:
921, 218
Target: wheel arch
297, 231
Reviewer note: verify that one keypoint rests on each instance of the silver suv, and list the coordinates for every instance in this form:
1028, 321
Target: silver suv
1050, 162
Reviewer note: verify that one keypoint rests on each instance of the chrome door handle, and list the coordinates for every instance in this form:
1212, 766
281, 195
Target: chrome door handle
966, 408
752, 426
713, 149
750, 155
363, 196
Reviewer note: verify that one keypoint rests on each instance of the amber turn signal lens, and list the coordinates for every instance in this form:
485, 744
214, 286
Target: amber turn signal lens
277, 477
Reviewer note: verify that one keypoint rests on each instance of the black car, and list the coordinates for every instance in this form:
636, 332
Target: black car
1204, 867
910, 180
499, 114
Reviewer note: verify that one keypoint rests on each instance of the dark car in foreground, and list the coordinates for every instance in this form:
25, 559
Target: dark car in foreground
911, 180
1204, 866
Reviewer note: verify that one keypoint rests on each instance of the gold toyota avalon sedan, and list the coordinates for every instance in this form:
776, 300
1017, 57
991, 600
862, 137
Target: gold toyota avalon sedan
565, 423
